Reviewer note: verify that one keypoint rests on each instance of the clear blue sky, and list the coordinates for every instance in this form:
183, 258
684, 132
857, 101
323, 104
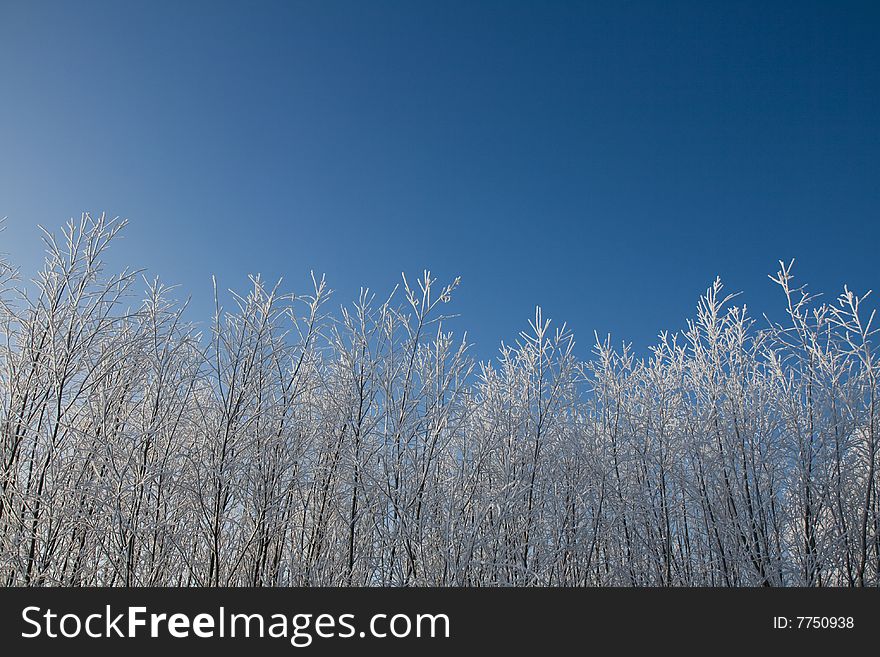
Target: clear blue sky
605, 159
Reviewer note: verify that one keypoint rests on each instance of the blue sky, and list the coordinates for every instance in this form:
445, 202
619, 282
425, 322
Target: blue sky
604, 160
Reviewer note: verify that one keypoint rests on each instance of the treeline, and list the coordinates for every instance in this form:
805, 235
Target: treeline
281, 444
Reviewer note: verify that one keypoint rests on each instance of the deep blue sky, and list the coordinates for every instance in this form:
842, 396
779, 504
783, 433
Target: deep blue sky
605, 160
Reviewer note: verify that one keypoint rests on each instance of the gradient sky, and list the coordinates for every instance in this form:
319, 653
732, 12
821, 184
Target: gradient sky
605, 160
